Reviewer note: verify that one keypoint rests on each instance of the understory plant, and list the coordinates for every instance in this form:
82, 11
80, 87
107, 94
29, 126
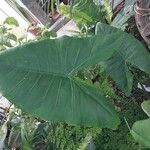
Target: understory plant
44, 73
28, 133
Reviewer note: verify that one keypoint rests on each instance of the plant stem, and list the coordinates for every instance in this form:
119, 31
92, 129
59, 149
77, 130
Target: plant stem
127, 123
52, 7
48, 7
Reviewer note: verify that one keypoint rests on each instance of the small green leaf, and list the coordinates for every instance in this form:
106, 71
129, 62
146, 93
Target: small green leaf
21, 39
146, 107
11, 21
141, 132
48, 34
3, 30
2, 47
11, 37
107, 11
4, 41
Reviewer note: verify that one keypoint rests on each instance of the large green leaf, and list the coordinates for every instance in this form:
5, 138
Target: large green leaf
39, 78
141, 129
141, 132
146, 107
131, 51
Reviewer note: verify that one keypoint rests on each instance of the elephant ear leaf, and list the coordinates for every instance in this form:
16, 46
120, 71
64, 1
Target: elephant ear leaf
140, 132
130, 52
39, 77
146, 107
140, 129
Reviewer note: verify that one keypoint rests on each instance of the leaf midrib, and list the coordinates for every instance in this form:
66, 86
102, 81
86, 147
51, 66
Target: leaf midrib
67, 76
98, 102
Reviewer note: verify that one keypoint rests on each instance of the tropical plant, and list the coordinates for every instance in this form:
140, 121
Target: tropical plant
70, 79
140, 129
7, 38
44, 74
119, 65
22, 131
85, 13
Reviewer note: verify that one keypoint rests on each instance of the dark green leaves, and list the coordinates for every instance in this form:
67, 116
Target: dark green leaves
130, 52
39, 77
